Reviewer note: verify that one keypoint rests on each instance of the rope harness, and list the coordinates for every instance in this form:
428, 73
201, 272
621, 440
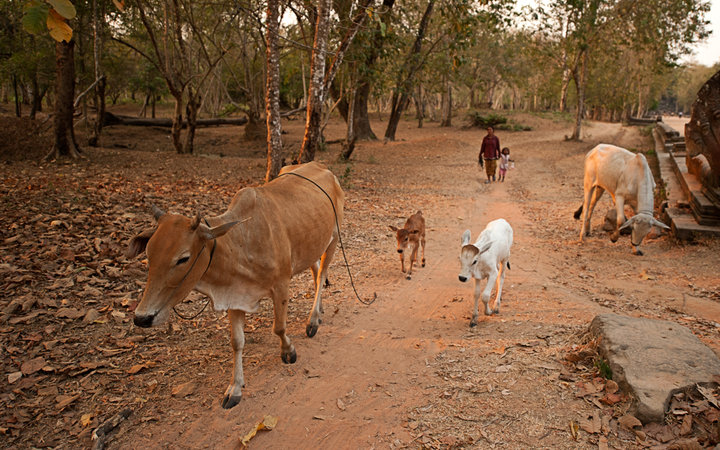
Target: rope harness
342, 247
212, 252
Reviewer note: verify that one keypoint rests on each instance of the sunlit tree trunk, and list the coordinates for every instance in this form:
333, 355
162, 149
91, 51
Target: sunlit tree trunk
317, 77
580, 75
272, 93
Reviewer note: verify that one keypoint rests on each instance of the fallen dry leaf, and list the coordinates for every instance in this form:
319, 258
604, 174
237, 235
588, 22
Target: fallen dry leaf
268, 423
628, 421
574, 429
70, 313
341, 405
13, 377
185, 389
611, 387
32, 366
136, 368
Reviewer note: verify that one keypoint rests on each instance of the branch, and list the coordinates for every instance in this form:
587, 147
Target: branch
84, 93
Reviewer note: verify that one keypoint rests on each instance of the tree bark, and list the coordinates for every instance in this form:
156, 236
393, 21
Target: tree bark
191, 112
65, 144
317, 87
446, 120
272, 92
419, 106
99, 77
18, 111
579, 74
407, 76
177, 122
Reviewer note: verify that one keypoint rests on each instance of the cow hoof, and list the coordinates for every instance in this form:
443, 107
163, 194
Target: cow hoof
496, 311
638, 253
423, 263
473, 324
408, 277
310, 330
289, 358
230, 400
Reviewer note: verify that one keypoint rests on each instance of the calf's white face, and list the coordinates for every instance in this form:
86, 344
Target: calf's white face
469, 257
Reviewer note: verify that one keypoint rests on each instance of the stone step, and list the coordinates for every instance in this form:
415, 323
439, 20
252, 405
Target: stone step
684, 225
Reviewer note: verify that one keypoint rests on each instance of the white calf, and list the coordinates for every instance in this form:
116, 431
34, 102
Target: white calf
487, 258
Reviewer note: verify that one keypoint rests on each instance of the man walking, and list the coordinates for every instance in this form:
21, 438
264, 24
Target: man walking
489, 154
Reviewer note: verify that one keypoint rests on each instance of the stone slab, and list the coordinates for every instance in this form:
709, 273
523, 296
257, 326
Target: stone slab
653, 359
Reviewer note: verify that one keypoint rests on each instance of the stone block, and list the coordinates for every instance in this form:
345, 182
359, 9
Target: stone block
653, 359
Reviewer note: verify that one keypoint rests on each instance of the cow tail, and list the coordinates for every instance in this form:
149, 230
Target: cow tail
578, 212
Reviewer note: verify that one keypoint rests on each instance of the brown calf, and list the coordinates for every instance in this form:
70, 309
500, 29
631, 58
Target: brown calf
412, 233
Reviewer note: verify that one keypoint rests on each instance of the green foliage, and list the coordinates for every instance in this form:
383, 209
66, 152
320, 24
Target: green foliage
491, 120
35, 17
346, 176
603, 368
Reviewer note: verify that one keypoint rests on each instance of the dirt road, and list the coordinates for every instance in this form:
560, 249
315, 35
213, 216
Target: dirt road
408, 371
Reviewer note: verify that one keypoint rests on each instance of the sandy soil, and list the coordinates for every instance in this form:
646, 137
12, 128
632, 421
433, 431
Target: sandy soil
406, 371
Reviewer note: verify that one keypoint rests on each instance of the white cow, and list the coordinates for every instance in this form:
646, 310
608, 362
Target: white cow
487, 258
628, 179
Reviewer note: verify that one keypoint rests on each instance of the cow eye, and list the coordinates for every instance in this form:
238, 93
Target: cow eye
474, 262
182, 260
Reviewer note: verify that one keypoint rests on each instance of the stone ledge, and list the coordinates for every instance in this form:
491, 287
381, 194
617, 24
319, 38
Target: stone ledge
652, 359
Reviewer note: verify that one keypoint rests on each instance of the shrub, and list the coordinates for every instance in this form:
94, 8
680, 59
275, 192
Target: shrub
491, 120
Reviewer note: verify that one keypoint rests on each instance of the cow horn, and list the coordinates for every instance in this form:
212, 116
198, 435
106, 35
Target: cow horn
628, 222
196, 222
157, 212
657, 223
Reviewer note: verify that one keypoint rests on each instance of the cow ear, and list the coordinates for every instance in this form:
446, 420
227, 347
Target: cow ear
195, 222
209, 234
466, 237
394, 228
484, 248
138, 243
157, 212
628, 223
659, 224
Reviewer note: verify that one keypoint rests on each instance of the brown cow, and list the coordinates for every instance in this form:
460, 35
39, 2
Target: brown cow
250, 252
412, 233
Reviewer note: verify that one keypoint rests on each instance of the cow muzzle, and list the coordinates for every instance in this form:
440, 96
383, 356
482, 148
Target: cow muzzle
462, 278
145, 321
399, 250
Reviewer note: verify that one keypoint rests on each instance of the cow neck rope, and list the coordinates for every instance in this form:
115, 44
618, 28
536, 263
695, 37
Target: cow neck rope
212, 252
337, 225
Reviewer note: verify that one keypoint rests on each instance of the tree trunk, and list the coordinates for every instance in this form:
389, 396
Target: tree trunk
579, 75
65, 144
18, 111
349, 144
446, 120
36, 98
272, 92
362, 128
419, 106
191, 111
177, 121
317, 88
407, 76
99, 77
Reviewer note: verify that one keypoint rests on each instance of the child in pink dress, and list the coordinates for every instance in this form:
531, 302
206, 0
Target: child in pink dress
504, 163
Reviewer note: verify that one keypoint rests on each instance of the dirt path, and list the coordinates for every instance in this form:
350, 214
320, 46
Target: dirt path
406, 371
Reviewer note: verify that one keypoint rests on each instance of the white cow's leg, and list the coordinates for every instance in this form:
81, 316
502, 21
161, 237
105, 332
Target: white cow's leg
620, 210
233, 393
597, 193
315, 318
280, 304
476, 299
585, 229
492, 278
500, 282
